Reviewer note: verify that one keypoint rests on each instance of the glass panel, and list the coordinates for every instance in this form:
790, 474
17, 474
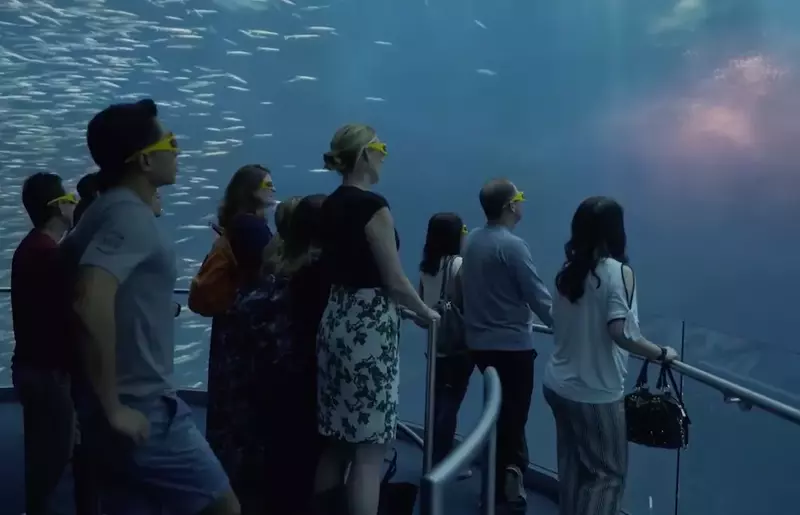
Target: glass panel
6, 339
192, 335
191, 345
652, 473
413, 369
739, 463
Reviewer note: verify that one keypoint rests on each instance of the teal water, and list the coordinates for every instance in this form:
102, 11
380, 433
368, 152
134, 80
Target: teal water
685, 110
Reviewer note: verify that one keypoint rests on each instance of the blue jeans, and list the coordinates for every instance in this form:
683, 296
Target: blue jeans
174, 470
452, 380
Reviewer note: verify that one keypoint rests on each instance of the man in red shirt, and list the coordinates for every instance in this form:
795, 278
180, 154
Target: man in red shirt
43, 355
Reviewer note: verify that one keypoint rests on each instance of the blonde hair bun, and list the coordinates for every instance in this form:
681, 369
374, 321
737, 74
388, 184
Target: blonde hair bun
332, 161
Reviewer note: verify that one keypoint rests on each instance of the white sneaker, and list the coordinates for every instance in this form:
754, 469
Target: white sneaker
514, 486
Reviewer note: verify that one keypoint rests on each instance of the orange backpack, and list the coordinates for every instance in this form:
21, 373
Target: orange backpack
213, 289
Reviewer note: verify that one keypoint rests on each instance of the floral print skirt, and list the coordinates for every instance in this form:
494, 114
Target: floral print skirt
358, 366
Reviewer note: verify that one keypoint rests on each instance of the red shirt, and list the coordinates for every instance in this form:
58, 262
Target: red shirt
40, 305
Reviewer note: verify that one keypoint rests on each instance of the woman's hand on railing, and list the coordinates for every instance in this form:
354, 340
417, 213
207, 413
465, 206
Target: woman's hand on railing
668, 355
432, 316
421, 320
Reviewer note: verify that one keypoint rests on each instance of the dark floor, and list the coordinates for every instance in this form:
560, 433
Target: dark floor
461, 497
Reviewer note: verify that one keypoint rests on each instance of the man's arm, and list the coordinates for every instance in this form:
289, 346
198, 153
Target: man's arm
122, 244
95, 294
534, 291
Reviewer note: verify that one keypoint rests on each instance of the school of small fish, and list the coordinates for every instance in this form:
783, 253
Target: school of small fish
61, 61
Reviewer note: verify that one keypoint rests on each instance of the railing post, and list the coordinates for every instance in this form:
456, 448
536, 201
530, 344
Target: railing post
431, 502
489, 467
430, 400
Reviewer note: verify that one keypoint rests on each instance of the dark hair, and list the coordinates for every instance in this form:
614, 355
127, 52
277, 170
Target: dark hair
116, 133
37, 190
87, 190
305, 228
443, 239
598, 231
301, 243
494, 197
240, 194
87, 185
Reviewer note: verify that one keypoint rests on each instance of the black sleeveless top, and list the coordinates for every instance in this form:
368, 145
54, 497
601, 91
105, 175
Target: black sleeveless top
345, 250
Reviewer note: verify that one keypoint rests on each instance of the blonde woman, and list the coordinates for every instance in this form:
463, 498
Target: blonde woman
357, 342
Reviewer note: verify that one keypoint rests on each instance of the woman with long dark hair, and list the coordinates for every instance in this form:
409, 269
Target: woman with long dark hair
440, 281
596, 325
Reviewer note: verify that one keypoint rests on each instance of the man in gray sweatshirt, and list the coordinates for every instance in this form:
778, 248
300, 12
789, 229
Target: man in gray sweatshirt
501, 292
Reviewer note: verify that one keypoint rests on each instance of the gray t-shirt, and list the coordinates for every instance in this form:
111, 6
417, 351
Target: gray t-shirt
119, 234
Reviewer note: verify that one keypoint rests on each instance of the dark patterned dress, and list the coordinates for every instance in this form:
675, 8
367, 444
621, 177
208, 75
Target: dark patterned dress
221, 278
255, 335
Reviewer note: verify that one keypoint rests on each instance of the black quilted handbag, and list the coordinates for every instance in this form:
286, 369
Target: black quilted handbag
657, 419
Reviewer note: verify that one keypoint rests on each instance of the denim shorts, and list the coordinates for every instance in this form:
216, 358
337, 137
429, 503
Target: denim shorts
174, 471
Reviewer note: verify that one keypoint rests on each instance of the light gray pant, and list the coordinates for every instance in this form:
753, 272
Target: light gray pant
592, 455
48, 416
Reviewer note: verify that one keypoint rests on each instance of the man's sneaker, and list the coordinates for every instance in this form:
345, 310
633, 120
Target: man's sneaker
465, 474
514, 486
516, 498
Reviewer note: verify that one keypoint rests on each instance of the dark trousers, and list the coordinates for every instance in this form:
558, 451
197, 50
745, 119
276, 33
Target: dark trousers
515, 369
452, 381
292, 444
48, 416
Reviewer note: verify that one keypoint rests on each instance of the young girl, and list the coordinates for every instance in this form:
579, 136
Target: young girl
439, 281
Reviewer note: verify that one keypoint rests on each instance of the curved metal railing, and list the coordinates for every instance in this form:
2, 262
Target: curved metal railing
484, 436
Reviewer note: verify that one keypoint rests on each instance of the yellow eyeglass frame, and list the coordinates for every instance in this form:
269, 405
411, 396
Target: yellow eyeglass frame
166, 144
69, 198
378, 146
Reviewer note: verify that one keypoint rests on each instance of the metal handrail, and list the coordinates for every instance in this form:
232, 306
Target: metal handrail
732, 392
430, 398
483, 436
